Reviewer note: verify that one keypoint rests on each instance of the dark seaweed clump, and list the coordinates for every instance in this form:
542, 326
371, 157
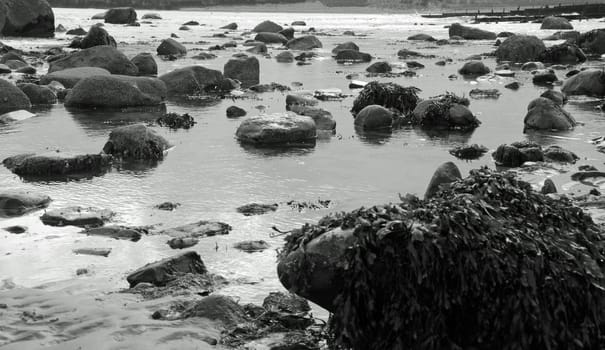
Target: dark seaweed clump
388, 95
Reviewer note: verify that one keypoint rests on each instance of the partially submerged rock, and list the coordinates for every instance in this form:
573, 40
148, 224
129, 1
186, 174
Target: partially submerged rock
26, 18
171, 47
374, 117
349, 45
520, 48
133, 234
256, 209
38, 94
120, 15
176, 121
388, 95
589, 82
565, 53
12, 98
445, 174
544, 114
191, 80
447, 111
304, 43
474, 67
145, 63
552, 22
97, 36
277, 130
517, 153
104, 252
200, 229
593, 41
106, 57
70, 77
136, 142
246, 70
251, 246
267, 26
468, 152
352, 56
161, 272
235, 112
182, 243
77, 216
19, 202
470, 33
57, 165
324, 121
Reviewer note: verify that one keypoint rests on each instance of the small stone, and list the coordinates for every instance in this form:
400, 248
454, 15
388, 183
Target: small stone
548, 187
81, 271
17, 229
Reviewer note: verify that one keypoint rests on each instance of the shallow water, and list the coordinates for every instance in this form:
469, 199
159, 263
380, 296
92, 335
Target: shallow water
211, 174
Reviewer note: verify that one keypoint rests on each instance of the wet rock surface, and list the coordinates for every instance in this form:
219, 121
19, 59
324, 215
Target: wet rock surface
164, 271
18, 202
57, 165
256, 209
133, 234
199, 229
278, 129
106, 57
136, 142
77, 216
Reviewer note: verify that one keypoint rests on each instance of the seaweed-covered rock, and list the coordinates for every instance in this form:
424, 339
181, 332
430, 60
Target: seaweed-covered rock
421, 37
70, 77
516, 154
412, 269
106, 57
267, 26
26, 18
374, 117
176, 121
589, 82
171, 47
544, 114
145, 63
161, 272
565, 53
19, 202
116, 91
388, 95
474, 67
470, 33
544, 77
593, 41
97, 36
520, 48
445, 174
246, 70
12, 98
199, 229
552, 22
136, 142
121, 15
77, 216
447, 111
304, 43
468, 152
39, 94
57, 164
277, 129
556, 96
558, 154
191, 80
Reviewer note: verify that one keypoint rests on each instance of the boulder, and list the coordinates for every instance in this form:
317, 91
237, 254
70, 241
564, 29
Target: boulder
145, 63
589, 82
421, 37
18, 202
235, 112
564, 53
557, 97
544, 114
285, 57
300, 100
379, 67
136, 142
27, 70
100, 15
267, 27
14, 64
299, 23
39, 95
70, 77
304, 43
31, 18
552, 22
121, 15
277, 129
171, 47
557, 154
204, 56
222, 309
530, 66
353, 56
349, 45
76, 31
11, 56
374, 117
405, 53
256, 209
270, 38
57, 164
230, 26
544, 77
570, 35
474, 68
115, 91
151, 16
200, 229
60, 29
12, 98
515, 154
161, 272
520, 48
288, 33
77, 216
441, 113
443, 176
548, 187
106, 57
251, 246
593, 41
246, 70
191, 80
97, 36
324, 121
470, 33
505, 34
117, 232
259, 49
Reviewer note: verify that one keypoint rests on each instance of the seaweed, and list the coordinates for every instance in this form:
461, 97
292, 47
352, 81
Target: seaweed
467, 152
388, 95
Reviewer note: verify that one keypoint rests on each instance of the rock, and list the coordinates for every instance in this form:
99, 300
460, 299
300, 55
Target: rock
558, 154
184, 27
235, 112
77, 31
531, 66
77, 216
15, 116
474, 68
191, 23
176, 121
121, 15
299, 23
505, 34
136, 142
168, 206
516, 154
117, 232
285, 57
217, 308
259, 49
593, 41
251, 246
19, 202
151, 16
31, 18
552, 22
443, 176
484, 93
557, 97
97, 36
246, 70
182, 243
4, 69
444, 113
60, 29
548, 187
544, 114
256, 209
470, 33
161, 272
171, 47
388, 95
277, 129
93, 251
379, 67
106, 57
11, 56
349, 45
589, 82
116, 91
14, 64
300, 100
191, 80
230, 26
57, 164
198, 229
16, 230
39, 95
304, 43
12, 98
288, 33
204, 56
71, 76
422, 37
27, 70
564, 53
270, 38
544, 77
520, 48
145, 63
414, 65
572, 72
405, 53
100, 15
348, 33
267, 27
571, 36
468, 152
324, 121
353, 56
374, 117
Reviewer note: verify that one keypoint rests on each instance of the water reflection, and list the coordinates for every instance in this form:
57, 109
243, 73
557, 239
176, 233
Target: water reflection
374, 137
548, 138
278, 151
138, 168
445, 136
93, 120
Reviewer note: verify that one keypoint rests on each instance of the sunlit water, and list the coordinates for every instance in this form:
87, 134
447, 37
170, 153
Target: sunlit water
211, 174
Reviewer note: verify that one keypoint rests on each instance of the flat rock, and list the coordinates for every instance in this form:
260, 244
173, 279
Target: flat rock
106, 57
136, 142
251, 246
182, 243
162, 272
256, 209
117, 232
19, 202
77, 216
70, 77
57, 164
200, 229
277, 129
93, 251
